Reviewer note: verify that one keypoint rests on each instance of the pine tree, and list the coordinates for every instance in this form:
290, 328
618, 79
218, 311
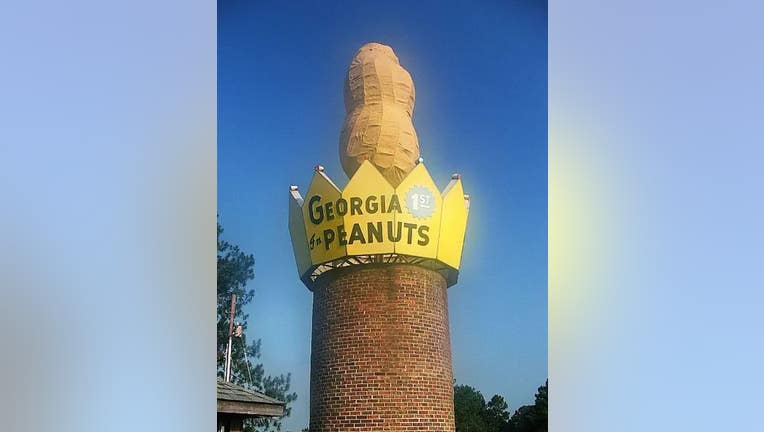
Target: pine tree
532, 418
235, 269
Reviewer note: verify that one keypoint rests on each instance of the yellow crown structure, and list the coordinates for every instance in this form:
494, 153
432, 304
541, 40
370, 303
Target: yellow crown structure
374, 222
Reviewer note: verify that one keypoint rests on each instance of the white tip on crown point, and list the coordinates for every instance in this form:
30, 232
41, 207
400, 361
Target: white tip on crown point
293, 188
319, 168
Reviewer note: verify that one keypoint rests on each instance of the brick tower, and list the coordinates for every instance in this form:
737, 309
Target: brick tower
379, 257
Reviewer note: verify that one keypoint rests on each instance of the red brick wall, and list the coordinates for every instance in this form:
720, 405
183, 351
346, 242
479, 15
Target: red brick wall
381, 351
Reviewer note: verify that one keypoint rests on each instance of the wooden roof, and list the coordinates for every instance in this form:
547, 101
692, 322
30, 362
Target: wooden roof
235, 399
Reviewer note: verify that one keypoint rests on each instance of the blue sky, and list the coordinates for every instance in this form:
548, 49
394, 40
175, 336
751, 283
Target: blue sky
480, 71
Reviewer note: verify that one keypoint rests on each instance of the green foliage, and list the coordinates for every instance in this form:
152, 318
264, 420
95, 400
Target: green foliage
469, 405
473, 414
235, 269
496, 414
278, 387
532, 418
541, 400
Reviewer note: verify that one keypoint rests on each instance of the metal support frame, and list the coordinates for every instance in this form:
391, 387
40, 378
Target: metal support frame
312, 275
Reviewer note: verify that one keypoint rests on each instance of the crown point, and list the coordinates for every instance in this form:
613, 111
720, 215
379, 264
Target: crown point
420, 160
293, 188
467, 197
319, 168
456, 176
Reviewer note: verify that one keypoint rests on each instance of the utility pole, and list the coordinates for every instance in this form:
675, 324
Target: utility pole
230, 339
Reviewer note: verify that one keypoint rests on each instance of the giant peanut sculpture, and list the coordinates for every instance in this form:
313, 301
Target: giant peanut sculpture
379, 256
379, 105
